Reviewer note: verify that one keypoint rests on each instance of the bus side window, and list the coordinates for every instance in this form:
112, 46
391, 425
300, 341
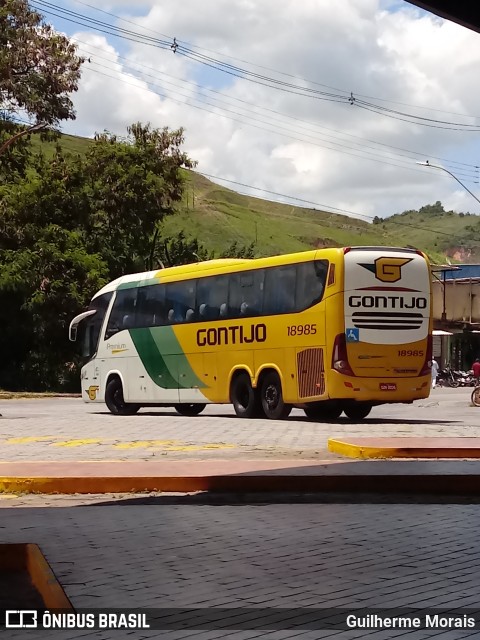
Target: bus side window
151, 310
180, 299
122, 315
246, 293
212, 298
311, 278
279, 296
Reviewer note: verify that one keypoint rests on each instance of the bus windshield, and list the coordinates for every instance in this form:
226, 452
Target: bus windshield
91, 326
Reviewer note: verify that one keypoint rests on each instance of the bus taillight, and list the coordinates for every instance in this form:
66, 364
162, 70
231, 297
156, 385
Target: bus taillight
427, 365
340, 358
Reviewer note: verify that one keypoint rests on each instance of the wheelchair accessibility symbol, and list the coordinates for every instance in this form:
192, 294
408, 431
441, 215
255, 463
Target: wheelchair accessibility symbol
353, 335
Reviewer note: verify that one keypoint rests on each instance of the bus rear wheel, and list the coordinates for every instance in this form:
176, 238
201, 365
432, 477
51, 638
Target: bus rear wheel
272, 398
323, 411
115, 401
244, 397
189, 410
357, 411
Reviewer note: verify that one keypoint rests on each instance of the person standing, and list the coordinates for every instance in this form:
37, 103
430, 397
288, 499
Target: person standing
434, 372
476, 369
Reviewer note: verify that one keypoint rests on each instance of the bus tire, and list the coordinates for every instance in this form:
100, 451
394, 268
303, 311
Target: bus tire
357, 411
244, 397
323, 411
189, 410
272, 397
114, 399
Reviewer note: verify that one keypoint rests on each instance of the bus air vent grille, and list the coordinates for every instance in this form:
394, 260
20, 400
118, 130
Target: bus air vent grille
310, 373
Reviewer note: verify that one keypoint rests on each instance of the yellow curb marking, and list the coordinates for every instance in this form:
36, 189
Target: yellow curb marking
199, 447
186, 447
170, 445
143, 444
30, 439
219, 445
77, 443
364, 452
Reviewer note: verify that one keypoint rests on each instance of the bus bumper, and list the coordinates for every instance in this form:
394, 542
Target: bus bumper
378, 390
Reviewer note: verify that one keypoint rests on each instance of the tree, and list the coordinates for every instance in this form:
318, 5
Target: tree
39, 68
238, 251
179, 250
69, 224
129, 186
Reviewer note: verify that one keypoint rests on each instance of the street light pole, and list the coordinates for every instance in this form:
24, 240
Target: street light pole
438, 166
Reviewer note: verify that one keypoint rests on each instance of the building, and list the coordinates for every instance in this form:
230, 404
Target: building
456, 314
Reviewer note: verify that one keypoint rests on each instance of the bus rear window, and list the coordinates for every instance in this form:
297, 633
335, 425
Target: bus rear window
311, 278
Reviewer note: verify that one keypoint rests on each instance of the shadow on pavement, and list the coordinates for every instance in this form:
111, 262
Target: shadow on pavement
222, 416
262, 499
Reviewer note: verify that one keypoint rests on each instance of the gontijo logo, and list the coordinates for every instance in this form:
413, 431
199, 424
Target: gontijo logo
387, 269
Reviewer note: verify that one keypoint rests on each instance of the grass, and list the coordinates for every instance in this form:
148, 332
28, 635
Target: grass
218, 216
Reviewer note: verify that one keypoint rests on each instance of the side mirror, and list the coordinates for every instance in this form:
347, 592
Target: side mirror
72, 329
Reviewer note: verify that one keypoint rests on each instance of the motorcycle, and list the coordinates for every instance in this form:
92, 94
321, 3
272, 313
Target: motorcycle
467, 379
447, 378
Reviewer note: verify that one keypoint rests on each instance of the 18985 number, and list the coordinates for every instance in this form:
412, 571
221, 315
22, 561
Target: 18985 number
301, 329
410, 352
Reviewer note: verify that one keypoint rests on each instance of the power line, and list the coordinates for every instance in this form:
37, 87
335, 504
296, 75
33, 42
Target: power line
466, 172
334, 210
248, 75
282, 131
283, 73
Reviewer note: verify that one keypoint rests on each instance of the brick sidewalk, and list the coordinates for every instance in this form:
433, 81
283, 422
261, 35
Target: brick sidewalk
290, 556
67, 429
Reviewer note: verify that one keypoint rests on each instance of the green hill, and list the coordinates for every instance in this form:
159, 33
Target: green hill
218, 216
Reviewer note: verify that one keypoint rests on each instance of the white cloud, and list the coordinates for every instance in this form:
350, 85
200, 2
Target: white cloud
327, 153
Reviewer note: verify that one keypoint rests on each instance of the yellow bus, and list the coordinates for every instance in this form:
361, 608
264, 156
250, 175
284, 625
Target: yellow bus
330, 331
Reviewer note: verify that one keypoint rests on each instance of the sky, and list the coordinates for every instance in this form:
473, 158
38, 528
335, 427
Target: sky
319, 103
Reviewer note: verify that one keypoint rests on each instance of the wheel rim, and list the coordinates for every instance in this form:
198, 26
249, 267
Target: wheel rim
272, 397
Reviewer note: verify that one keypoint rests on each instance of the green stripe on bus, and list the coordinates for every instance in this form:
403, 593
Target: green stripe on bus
163, 358
128, 285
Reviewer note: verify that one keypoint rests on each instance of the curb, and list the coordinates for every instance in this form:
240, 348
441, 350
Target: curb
28, 558
244, 476
406, 447
449, 484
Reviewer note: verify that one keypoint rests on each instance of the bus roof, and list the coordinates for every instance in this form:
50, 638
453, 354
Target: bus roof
197, 268
224, 264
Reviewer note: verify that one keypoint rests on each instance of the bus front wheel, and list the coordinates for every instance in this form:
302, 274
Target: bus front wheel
272, 398
115, 401
189, 410
244, 397
357, 411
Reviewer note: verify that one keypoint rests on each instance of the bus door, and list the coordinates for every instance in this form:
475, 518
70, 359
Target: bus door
90, 324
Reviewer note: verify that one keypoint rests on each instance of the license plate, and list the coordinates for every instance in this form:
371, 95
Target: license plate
388, 386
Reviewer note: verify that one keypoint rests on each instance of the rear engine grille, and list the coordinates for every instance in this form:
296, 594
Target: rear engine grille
310, 372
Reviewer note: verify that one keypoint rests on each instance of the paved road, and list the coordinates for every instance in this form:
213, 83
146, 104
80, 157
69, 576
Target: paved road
148, 552
68, 429
280, 555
